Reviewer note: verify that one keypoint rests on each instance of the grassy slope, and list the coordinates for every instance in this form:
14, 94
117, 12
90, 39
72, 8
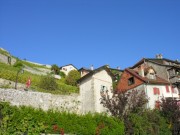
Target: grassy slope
9, 72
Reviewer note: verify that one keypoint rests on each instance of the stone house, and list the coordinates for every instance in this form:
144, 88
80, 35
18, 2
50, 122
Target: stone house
146, 79
67, 68
165, 68
91, 85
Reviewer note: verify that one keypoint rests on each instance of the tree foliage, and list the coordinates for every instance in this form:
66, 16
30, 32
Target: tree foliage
48, 83
171, 110
123, 103
18, 64
55, 68
72, 77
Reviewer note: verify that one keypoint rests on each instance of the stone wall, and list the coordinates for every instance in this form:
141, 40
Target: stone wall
4, 59
10, 84
44, 101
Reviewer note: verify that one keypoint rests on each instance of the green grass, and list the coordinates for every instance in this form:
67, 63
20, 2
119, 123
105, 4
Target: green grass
9, 72
4, 52
33, 65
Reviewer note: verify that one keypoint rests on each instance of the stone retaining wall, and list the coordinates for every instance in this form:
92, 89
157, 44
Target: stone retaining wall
44, 101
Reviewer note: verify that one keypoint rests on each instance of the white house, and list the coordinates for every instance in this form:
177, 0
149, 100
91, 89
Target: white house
91, 85
146, 80
67, 68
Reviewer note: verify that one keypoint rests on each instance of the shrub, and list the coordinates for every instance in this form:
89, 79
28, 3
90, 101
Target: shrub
72, 77
148, 122
48, 83
170, 109
55, 68
62, 74
18, 64
19, 120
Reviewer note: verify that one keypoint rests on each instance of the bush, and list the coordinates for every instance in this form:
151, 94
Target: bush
21, 120
18, 64
62, 74
48, 83
72, 77
148, 122
55, 68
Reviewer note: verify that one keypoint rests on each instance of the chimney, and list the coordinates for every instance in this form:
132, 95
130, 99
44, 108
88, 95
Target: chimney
92, 67
141, 70
159, 56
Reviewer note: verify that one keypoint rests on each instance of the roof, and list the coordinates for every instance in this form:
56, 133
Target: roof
83, 68
95, 71
67, 65
156, 61
158, 79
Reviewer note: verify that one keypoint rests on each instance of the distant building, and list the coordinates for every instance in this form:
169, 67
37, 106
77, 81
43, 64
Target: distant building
67, 68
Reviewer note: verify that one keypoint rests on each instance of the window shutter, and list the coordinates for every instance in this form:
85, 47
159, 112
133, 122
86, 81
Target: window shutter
156, 91
167, 88
172, 89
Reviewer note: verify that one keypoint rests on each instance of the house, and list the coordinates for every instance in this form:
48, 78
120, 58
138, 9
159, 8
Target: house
146, 79
92, 85
84, 71
67, 68
165, 68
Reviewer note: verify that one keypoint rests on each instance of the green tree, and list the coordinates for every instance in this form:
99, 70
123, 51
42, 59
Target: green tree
18, 64
55, 68
72, 77
48, 83
62, 74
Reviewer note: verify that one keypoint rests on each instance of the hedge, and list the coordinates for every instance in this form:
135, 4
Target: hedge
20, 120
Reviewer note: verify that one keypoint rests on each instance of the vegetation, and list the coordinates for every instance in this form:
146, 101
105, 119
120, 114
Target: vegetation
26, 120
62, 74
130, 108
33, 65
48, 83
9, 72
4, 52
55, 69
72, 77
18, 64
171, 110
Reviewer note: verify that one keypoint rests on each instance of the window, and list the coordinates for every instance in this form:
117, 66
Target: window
64, 69
103, 88
131, 81
151, 76
9, 60
156, 91
167, 88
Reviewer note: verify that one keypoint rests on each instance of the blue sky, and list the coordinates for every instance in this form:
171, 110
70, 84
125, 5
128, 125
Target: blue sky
85, 32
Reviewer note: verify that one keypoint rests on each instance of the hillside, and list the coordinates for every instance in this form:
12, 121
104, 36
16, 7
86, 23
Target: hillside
11, 65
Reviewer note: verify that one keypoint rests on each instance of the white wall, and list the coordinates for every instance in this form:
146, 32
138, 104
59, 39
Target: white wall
163, 93
87, 95
101, 78
90, 91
